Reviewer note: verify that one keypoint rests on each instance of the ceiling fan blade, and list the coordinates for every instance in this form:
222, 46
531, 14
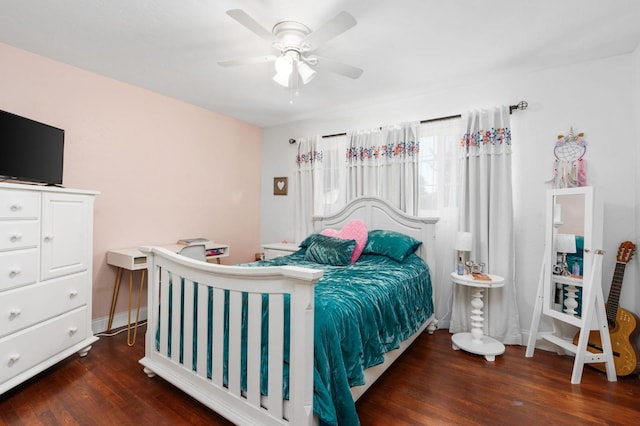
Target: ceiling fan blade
336, 26
338, 68
251, 24
247, 61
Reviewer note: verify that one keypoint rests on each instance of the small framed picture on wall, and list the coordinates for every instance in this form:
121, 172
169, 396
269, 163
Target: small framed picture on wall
280, 186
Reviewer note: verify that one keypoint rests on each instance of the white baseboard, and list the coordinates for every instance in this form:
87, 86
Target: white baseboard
99, 325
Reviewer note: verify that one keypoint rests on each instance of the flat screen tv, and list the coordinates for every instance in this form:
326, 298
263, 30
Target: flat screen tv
30, 151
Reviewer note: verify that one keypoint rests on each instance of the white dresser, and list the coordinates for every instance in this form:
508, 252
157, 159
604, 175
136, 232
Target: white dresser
46, 242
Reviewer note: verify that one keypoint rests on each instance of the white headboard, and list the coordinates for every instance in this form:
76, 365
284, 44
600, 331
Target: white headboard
379, 214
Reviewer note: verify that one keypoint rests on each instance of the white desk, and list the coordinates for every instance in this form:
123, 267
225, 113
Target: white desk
133, 259
476, 341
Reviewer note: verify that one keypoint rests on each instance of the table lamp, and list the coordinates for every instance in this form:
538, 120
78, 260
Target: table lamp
462, 244
565, 243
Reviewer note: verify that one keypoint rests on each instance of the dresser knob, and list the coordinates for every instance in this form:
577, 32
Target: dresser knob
15, 237
14, 272
13, 359
73, 330
73, 293
14, 313
48, 238
15, 207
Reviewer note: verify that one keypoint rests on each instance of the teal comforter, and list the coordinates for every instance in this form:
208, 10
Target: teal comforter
362, 311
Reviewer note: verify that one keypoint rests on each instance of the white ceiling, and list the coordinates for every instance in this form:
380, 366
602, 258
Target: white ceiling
405, 47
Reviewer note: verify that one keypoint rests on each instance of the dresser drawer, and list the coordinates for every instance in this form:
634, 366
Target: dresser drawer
29, 347
16, 204
17, 234
23, 307
18, 268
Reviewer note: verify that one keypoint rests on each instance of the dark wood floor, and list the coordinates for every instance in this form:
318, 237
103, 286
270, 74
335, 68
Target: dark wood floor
430, 385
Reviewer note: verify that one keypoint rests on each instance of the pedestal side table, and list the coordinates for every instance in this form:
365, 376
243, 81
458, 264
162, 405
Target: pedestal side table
476, 341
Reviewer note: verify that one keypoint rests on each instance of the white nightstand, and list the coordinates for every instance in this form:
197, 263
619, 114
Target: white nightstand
273, 250
476, 341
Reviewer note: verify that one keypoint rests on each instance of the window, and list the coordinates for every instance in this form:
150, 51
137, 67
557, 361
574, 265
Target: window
437, 166
330, 185
334, 182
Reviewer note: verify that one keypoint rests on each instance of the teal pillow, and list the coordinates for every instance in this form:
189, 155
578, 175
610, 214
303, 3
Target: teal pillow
394, 245
330, 250
307, 241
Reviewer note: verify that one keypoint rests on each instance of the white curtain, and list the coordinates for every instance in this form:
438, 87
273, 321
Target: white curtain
319, 180
439, 198
486, 210
384, 163
307, 161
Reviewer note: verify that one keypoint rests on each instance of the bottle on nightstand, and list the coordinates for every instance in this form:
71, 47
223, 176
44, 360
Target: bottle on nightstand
462, 244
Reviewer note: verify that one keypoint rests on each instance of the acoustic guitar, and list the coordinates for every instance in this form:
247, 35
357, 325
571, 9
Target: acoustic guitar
622, 323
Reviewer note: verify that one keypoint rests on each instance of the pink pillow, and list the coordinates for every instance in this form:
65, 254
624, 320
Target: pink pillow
356, 230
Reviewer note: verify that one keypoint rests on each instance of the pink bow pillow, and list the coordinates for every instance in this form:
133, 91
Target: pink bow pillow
356, 230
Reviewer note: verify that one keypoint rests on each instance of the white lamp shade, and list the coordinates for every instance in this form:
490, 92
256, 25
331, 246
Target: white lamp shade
306, 72
463, 241
284, 68
281, 79
565, 243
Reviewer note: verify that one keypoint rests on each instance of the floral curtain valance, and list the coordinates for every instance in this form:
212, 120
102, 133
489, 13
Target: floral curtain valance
486, 133
309, 157
387, 145
309, 153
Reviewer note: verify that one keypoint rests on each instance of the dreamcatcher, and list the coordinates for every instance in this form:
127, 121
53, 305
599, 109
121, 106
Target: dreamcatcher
569, 164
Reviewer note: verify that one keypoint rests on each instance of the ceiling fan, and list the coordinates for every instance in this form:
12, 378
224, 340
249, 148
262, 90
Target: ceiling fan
295, 44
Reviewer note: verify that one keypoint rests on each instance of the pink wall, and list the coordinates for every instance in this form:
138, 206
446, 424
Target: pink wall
165, 169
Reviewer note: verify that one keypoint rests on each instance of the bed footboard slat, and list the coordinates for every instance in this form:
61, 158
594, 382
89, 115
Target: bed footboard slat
276, 350
176, 311
203, 330
189, 324
163, 291
254, 343
217, 350
235, 342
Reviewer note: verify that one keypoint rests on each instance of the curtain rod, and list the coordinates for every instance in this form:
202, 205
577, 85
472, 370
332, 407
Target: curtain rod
522, 105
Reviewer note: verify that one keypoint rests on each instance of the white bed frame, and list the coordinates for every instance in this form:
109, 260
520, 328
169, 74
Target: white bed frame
227, 399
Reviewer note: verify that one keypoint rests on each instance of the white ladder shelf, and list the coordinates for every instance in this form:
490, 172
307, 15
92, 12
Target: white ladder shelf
593, 308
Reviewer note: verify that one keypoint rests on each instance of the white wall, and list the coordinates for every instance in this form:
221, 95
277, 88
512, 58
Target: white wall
593, 97
165, 169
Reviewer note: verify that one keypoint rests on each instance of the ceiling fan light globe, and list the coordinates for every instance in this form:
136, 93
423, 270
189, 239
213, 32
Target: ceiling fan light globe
284, 64
306, 72
284, 68
282, 79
